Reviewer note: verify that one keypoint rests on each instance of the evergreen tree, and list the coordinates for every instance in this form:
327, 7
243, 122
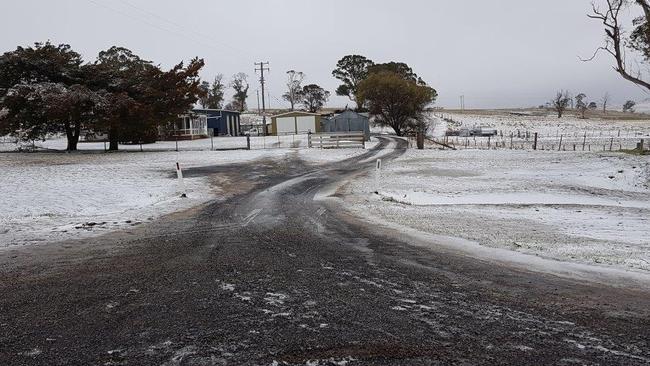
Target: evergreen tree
41, 93
397, 100
351, 70
216, 93
314, 97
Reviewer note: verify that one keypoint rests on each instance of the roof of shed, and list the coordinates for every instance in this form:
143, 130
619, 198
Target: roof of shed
295, 113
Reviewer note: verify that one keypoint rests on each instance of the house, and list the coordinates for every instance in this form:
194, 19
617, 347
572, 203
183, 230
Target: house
295, 122
347, 121
222, 122
188, 126
200, 123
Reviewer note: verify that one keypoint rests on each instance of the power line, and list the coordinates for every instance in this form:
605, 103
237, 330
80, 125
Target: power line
183, 28
157, 26
263, 66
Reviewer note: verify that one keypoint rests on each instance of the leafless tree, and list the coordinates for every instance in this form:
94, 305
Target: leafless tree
615, 42
561, 102
294, 87
605, 100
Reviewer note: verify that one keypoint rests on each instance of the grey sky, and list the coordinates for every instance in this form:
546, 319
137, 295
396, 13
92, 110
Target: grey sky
499, 53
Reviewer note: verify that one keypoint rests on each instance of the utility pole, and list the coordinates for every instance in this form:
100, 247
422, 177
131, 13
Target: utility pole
263, 66
258, 101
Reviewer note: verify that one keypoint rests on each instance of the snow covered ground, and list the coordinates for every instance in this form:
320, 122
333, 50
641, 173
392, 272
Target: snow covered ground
591, 208
597, 134
54, 196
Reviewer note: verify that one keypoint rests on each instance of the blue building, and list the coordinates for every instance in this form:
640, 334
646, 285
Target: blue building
222, 122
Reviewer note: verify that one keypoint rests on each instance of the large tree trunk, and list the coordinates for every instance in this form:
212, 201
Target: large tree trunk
113, 138
72, 135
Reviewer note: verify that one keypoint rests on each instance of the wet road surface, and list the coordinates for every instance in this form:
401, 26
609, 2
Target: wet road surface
273, 276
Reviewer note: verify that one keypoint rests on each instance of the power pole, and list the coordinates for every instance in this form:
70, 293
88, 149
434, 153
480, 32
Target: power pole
263, 66
258, 101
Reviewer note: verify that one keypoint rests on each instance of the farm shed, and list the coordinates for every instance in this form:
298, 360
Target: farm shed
293, 123
347, 121
221, 121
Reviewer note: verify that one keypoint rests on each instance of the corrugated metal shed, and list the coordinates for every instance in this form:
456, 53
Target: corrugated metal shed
346, 122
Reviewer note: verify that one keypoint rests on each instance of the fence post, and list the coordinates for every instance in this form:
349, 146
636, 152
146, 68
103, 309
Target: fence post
560, 146
420, 140
611, 143
535, 142
248, 142
584, 141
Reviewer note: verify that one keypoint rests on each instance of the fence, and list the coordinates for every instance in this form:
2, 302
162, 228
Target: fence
58, 143
607, 140
337, 140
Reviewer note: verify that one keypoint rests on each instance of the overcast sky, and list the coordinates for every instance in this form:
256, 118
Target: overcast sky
498, 53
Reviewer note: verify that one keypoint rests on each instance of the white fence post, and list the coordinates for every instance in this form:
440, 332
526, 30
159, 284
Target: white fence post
181, 183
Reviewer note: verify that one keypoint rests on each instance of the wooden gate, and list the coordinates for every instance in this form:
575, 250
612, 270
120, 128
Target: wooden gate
338, 140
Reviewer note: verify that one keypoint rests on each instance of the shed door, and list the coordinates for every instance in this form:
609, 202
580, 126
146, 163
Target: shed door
306, 124
285, 125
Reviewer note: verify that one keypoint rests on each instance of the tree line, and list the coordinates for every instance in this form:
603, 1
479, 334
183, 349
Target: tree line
564, 101
48, 89
391, 92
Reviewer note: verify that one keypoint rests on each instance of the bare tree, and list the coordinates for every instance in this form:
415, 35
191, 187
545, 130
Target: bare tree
294, 87
240, 84
605, 100
615, 44
561, 102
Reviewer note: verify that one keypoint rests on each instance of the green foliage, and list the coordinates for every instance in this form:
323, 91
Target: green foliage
44, 62
351, 70
640, 37
47, 89
212, 97
397, 100
399, 68
314, 97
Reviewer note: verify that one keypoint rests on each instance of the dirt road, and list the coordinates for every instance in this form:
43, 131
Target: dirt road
272, 276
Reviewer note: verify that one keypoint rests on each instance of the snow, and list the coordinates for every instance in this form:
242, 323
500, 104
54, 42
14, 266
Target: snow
596, 133
56, 196
53, 196
589, 208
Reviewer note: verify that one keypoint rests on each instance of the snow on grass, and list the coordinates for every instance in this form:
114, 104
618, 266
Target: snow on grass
54, 196
582, 207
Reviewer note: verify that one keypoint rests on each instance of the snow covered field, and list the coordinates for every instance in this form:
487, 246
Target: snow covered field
597, 134
218, 143
591, 208
54, 196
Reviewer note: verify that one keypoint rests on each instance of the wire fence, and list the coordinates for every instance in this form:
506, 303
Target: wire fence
56, 143
606, 140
